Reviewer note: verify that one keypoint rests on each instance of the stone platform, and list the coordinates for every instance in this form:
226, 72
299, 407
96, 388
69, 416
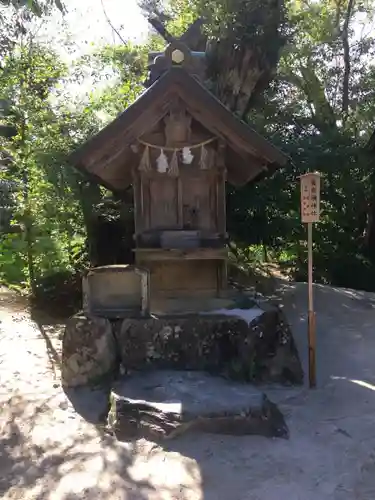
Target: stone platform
252, 345
161, 405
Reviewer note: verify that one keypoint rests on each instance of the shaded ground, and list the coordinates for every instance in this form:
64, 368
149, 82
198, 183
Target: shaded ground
48, 452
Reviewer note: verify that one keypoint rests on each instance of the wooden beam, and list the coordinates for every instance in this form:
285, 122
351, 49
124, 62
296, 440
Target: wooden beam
157, 254
110, 151
109, 146
204, 105
135, 120
221, 203
215, 116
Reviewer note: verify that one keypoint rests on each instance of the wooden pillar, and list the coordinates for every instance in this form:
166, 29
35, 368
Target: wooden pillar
138, 208
222, 277
221, 191
222, 274
180, 203
145, 197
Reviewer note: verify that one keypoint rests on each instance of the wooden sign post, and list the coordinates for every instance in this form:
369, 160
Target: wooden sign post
310, 212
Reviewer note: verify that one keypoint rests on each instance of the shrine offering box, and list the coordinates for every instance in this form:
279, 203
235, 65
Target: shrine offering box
116, 292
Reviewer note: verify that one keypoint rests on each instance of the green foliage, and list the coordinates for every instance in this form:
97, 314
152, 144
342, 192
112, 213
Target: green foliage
268, 214
319, 109
37, 7
52, 206
125, 69
304, 112
48, 198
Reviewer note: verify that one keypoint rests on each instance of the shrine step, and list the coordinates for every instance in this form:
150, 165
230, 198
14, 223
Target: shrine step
161, 405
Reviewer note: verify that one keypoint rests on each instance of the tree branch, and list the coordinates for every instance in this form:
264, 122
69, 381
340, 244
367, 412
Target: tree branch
308, 82
111, 24
347, 62
160, 28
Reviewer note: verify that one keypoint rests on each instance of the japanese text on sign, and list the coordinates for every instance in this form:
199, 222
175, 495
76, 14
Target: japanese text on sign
310, 197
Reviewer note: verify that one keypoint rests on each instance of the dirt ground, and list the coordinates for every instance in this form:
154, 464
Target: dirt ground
49, 452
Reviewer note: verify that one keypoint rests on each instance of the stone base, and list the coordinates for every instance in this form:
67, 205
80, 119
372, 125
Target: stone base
252, 345
89, 352
165, 404
248, 345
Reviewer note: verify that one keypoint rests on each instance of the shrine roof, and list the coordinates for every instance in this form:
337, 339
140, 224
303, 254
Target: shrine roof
108, 157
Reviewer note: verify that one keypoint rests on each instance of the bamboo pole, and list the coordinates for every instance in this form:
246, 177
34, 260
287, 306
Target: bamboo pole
311, 313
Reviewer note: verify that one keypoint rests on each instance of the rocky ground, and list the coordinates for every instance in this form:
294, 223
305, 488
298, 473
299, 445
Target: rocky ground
50, 452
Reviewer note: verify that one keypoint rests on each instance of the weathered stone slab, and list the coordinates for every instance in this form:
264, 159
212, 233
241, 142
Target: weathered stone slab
276, 356
190, 342
165, 404
89, 352
249, 345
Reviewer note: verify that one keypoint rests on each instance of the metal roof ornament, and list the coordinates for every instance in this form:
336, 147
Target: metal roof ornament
179, 52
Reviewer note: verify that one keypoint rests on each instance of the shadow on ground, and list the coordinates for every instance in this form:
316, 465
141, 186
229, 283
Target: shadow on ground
90, 466
330, 454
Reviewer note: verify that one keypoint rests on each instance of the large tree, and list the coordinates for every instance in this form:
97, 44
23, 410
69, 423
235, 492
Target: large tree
243, 41
302, 73
320, 109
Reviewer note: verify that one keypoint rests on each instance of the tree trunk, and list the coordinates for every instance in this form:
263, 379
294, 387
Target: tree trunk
89, 195
347, 63
265, 253
322, 112
28, 225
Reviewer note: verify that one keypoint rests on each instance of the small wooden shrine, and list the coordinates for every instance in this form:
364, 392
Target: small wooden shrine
177, 145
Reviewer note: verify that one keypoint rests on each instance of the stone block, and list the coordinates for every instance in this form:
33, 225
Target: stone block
276, 354
192, 342
165, 404
235, 343
89, 352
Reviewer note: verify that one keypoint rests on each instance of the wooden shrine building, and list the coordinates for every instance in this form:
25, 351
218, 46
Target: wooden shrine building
177, 145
